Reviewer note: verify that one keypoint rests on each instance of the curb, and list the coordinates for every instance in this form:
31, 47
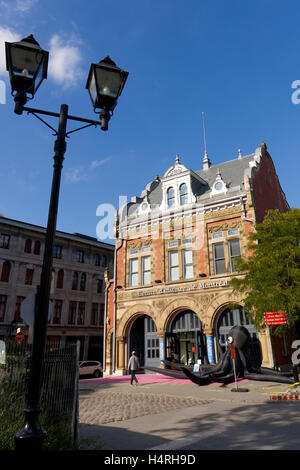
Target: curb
292, 396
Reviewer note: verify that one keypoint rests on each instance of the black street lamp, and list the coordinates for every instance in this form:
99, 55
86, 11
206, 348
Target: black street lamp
27, 65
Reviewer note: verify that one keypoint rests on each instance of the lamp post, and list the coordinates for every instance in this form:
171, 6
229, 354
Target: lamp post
27, 65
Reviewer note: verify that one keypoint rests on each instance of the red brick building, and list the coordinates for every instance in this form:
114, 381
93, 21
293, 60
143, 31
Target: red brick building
175, 253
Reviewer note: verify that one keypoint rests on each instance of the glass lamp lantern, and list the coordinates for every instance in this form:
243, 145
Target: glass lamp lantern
105, 84
27, 65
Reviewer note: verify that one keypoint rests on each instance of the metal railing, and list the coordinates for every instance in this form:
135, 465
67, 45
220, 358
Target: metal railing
59, 395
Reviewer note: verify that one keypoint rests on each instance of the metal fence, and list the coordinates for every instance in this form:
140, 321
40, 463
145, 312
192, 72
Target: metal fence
59, 394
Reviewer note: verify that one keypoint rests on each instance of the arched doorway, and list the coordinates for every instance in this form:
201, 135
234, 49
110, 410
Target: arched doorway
228, 319
144, 340
185, 342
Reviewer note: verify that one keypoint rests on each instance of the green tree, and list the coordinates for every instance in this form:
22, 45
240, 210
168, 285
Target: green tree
272, 275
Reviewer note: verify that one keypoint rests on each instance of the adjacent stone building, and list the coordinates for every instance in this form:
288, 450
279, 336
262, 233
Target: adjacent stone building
175, 253
78, 288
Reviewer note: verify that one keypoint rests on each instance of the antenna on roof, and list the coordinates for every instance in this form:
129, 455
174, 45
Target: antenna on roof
206, 160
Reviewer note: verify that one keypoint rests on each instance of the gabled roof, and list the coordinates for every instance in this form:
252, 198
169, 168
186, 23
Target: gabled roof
232, 173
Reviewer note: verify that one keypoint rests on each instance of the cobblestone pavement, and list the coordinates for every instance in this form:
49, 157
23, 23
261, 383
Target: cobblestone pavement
104, 407
118, 416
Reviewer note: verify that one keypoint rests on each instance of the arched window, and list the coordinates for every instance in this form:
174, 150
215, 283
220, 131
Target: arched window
183, 194
37, 248
82, 281
75, 281
27, 248
5, 271
171, 197
60, 279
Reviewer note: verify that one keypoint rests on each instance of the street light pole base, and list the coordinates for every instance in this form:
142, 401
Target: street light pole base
32, 435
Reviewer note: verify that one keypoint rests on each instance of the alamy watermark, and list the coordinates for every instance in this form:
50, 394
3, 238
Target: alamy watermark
2, 352
296, 354
182, 223
2, 92
296, 94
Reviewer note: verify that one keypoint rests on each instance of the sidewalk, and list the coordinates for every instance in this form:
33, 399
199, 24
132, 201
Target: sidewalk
166, 413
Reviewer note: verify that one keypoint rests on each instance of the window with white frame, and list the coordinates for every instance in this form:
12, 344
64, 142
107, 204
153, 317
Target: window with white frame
219, 258
183, 192
173, 266
234, 253
133, 272
187, 264
146, 270
171, 198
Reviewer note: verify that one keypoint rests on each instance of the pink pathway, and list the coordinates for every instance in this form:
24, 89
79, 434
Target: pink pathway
142, 378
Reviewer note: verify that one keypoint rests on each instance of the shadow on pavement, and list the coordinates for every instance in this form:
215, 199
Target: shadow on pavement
252, 427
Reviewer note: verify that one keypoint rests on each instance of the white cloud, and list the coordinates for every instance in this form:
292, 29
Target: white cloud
23, 6
18, 6
8, 35
96, 163
64, 61
74, 175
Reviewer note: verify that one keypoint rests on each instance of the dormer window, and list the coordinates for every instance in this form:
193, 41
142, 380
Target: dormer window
183, 194
219, 186
171, 197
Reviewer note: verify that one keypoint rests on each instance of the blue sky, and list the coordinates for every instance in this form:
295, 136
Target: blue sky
233, 60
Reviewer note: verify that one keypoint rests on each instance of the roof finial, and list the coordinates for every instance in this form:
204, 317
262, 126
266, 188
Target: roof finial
240, 154
177, 159
206, 160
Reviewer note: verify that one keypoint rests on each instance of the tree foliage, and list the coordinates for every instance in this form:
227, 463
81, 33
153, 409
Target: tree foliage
272, 275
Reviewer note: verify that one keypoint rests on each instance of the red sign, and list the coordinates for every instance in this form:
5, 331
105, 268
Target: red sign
193, 349
20, 337
232, 351
275, 318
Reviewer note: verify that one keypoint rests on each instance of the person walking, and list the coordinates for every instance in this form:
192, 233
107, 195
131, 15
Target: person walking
133, 365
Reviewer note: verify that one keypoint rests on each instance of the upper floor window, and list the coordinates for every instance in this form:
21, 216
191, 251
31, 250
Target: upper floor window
17, 315
57, 311
97, 259
171, 197
3, 301
183, 194
173, 266
4, 240
223, 258
133, 272
99, 286
103, 261
28, 243
29, 277
37, 247
72, 312
60, 279
234, 253
187, 264
181, 265
219, 258
57, 251
146, 270
5, 271
81, 313
83, 281
80, 256
75, 281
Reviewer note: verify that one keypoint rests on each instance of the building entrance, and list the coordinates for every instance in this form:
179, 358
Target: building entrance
230, 318
186, 343
144, 340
